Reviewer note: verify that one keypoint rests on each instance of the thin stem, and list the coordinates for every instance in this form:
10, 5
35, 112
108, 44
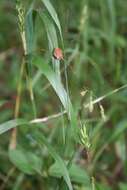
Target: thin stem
105, 96
30, 87
32, 98
46, 119
21, 15
17, 106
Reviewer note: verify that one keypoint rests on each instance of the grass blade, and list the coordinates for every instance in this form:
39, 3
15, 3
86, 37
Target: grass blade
11, 124
53, 14
40, 139
60, 91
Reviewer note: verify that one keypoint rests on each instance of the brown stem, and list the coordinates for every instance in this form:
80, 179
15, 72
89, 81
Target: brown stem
17, 106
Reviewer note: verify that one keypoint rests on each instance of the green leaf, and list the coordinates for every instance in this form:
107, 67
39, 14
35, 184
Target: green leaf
53, 14
54, 76
100, 186
52, 40
77, 174
25, 161
60, 91
29, 30
11, 124
50, 30
2, 102
123, 186
18, 181
40, 139
120, 128
54, 81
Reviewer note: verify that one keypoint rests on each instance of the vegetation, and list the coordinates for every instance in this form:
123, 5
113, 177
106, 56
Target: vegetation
63, 111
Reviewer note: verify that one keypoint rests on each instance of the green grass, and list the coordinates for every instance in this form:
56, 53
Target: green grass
63, 122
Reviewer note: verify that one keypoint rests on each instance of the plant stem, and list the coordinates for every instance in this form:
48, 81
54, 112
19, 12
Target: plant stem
17, 106
28, 77
21, 15
29, 82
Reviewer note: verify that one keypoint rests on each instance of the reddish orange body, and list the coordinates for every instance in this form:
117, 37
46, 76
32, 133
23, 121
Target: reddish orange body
58, 54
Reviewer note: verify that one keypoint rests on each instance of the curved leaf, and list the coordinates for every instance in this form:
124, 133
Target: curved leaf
40, 139
11, 124
25, 161
53, 14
